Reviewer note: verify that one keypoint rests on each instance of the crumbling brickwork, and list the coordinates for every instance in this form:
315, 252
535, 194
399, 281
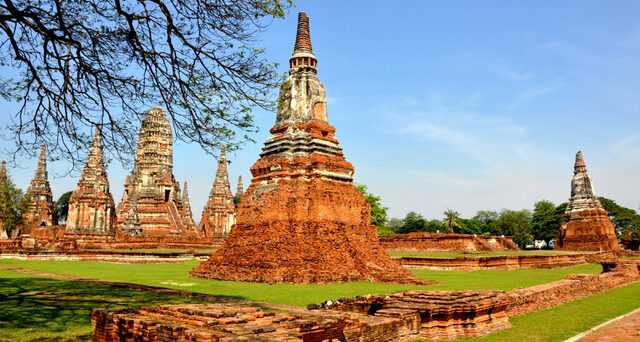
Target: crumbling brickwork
302, 220
219, 213
41, 206
152, 203
419, 241
91, 206
586, 224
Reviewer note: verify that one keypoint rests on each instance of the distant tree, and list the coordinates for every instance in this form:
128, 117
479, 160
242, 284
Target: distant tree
62, 208
393, 227
13, 205
516, 224
452, 221
472, 226
434, 226
413, 222
378, 212
626, 221
236, 201
544, 225
73, 64
487, 219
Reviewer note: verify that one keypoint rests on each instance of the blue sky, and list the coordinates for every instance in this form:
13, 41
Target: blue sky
457, 104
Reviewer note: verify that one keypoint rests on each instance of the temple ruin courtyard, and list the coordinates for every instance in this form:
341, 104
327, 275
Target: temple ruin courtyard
299, 255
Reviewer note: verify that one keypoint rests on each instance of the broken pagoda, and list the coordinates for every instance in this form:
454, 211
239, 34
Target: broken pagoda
586, 225
152, 204
302, 220
91, 206
41, 204
219, 213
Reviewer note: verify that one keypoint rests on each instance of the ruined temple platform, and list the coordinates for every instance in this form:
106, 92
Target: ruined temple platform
420, 241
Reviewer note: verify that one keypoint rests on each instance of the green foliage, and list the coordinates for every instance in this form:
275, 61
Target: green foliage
413, 222
393, 227
452, 221
434, 226
236, 201
625, 220
485, 221
62, 208
514, 223
378, 212
13, 205
546, 220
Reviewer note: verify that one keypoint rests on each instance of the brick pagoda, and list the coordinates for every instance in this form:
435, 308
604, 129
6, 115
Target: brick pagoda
91, 206
219, 214
239, 188
152, 204
186, 207
586, 224
41, 206
302, 220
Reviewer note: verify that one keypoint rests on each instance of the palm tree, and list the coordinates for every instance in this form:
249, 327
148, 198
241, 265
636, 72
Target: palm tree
452, 220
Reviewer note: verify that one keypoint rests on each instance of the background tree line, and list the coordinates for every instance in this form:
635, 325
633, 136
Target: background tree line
541, 223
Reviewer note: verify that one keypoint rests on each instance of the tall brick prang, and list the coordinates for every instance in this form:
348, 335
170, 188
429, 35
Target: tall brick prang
302, 220
41, 206
186, 207
91, 206
219, 213
586, 225
151, 196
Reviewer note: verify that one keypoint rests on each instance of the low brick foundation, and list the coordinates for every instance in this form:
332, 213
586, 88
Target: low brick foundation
446, 242
495, 262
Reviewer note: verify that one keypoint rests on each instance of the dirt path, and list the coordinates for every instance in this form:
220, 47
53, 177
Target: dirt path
625, 328
157, 289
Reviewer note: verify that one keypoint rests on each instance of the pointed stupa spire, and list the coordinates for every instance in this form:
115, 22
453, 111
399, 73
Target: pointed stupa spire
221, 184
579, 165
185, 200
3, 173
39, 190
240, 188
303, 57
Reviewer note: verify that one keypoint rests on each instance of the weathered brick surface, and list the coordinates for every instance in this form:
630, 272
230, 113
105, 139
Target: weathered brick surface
419, 241
302, 220
586, 224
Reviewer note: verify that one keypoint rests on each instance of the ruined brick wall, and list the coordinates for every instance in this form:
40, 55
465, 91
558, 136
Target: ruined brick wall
446, 242
496, 262
574, 286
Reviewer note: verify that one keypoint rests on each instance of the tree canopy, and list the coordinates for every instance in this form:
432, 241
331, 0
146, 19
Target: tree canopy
62, 207
452, 222
378, 212
77, 63
13, 205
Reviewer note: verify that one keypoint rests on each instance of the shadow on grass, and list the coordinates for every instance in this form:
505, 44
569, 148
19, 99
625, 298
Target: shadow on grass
43, 309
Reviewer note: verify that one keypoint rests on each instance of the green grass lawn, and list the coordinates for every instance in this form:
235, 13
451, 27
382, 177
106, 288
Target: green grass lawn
476, 254
176, 276
34, 308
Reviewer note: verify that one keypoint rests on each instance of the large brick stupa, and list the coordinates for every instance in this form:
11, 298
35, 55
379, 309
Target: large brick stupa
586, 224
302, 220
